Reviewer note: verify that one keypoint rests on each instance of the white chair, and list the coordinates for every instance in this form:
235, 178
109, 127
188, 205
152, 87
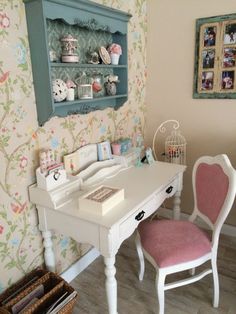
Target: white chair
172, 246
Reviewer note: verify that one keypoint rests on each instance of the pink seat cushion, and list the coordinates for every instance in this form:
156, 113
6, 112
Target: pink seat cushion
172, 242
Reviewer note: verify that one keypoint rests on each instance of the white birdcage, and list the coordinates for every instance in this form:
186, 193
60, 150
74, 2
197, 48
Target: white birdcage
175, 143
175, 148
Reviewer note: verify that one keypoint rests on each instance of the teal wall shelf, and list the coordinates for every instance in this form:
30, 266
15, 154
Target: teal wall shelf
94, 26
86, 65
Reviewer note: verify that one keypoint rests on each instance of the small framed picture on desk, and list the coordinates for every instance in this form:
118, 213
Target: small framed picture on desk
149, 156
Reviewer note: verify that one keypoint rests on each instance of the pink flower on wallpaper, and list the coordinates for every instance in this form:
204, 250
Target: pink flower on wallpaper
1, 229
23, 162
4, 77
18, 208
4, 20
34, 136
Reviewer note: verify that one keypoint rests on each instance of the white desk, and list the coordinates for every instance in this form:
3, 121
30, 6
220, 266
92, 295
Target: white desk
145, 190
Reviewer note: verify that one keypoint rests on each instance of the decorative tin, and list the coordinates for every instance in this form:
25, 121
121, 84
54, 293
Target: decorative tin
104, 55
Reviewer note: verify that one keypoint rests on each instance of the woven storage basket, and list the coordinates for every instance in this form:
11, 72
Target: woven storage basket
54, 287
48, 299
36, 273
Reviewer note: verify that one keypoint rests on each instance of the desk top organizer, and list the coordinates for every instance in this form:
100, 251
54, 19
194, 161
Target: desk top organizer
52, 180
83, 171
93, 163
50, 174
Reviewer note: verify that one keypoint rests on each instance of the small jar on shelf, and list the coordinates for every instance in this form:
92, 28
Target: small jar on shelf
115, 52
71, 90
97, 84
110, 84
84, 86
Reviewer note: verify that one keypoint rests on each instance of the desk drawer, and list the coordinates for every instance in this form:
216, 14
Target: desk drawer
168, 191
130, 224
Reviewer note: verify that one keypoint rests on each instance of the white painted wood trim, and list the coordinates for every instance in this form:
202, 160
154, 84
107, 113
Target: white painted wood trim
74, 270
187, 281
168, 213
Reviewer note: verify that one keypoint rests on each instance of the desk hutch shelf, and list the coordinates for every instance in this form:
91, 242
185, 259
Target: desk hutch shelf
94, 26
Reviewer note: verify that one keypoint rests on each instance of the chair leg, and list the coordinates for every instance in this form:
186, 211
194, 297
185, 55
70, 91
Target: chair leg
141, 256
215, 281
160, 284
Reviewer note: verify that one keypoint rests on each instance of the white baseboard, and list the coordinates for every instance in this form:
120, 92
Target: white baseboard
75, 269
168, 213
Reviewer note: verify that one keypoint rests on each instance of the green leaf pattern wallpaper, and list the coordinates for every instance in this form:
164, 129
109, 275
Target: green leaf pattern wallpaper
21, 138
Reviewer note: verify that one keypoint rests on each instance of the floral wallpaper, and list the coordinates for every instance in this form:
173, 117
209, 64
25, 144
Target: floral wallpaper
21, 138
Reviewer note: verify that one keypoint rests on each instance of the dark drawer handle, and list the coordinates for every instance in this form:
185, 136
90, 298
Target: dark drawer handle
140, 215
169, 189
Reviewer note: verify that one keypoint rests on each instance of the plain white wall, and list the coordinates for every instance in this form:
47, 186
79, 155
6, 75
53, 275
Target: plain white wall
209, 125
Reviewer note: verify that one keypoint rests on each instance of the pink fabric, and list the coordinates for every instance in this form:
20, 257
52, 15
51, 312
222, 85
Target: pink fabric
211, 188
172, 242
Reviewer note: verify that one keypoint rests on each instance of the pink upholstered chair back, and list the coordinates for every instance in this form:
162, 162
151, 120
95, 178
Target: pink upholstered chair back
212, 186
213, 182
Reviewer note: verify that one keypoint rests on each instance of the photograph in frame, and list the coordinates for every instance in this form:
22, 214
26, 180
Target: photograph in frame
208, 58
149, 156
227, 80
209, 36
230, 34
207, 80
229, 57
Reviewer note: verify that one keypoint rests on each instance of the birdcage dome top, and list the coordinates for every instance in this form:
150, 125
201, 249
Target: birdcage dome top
176, 138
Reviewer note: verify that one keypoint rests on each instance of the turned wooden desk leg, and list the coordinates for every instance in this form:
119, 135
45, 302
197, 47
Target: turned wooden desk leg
176, 206
48, 251
111, 284
177, 199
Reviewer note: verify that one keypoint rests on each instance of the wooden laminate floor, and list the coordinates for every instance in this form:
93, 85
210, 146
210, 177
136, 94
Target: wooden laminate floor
140, 297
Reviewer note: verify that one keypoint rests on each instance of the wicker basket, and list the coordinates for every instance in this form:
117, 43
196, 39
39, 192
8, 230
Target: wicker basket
54, 288
26, 281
